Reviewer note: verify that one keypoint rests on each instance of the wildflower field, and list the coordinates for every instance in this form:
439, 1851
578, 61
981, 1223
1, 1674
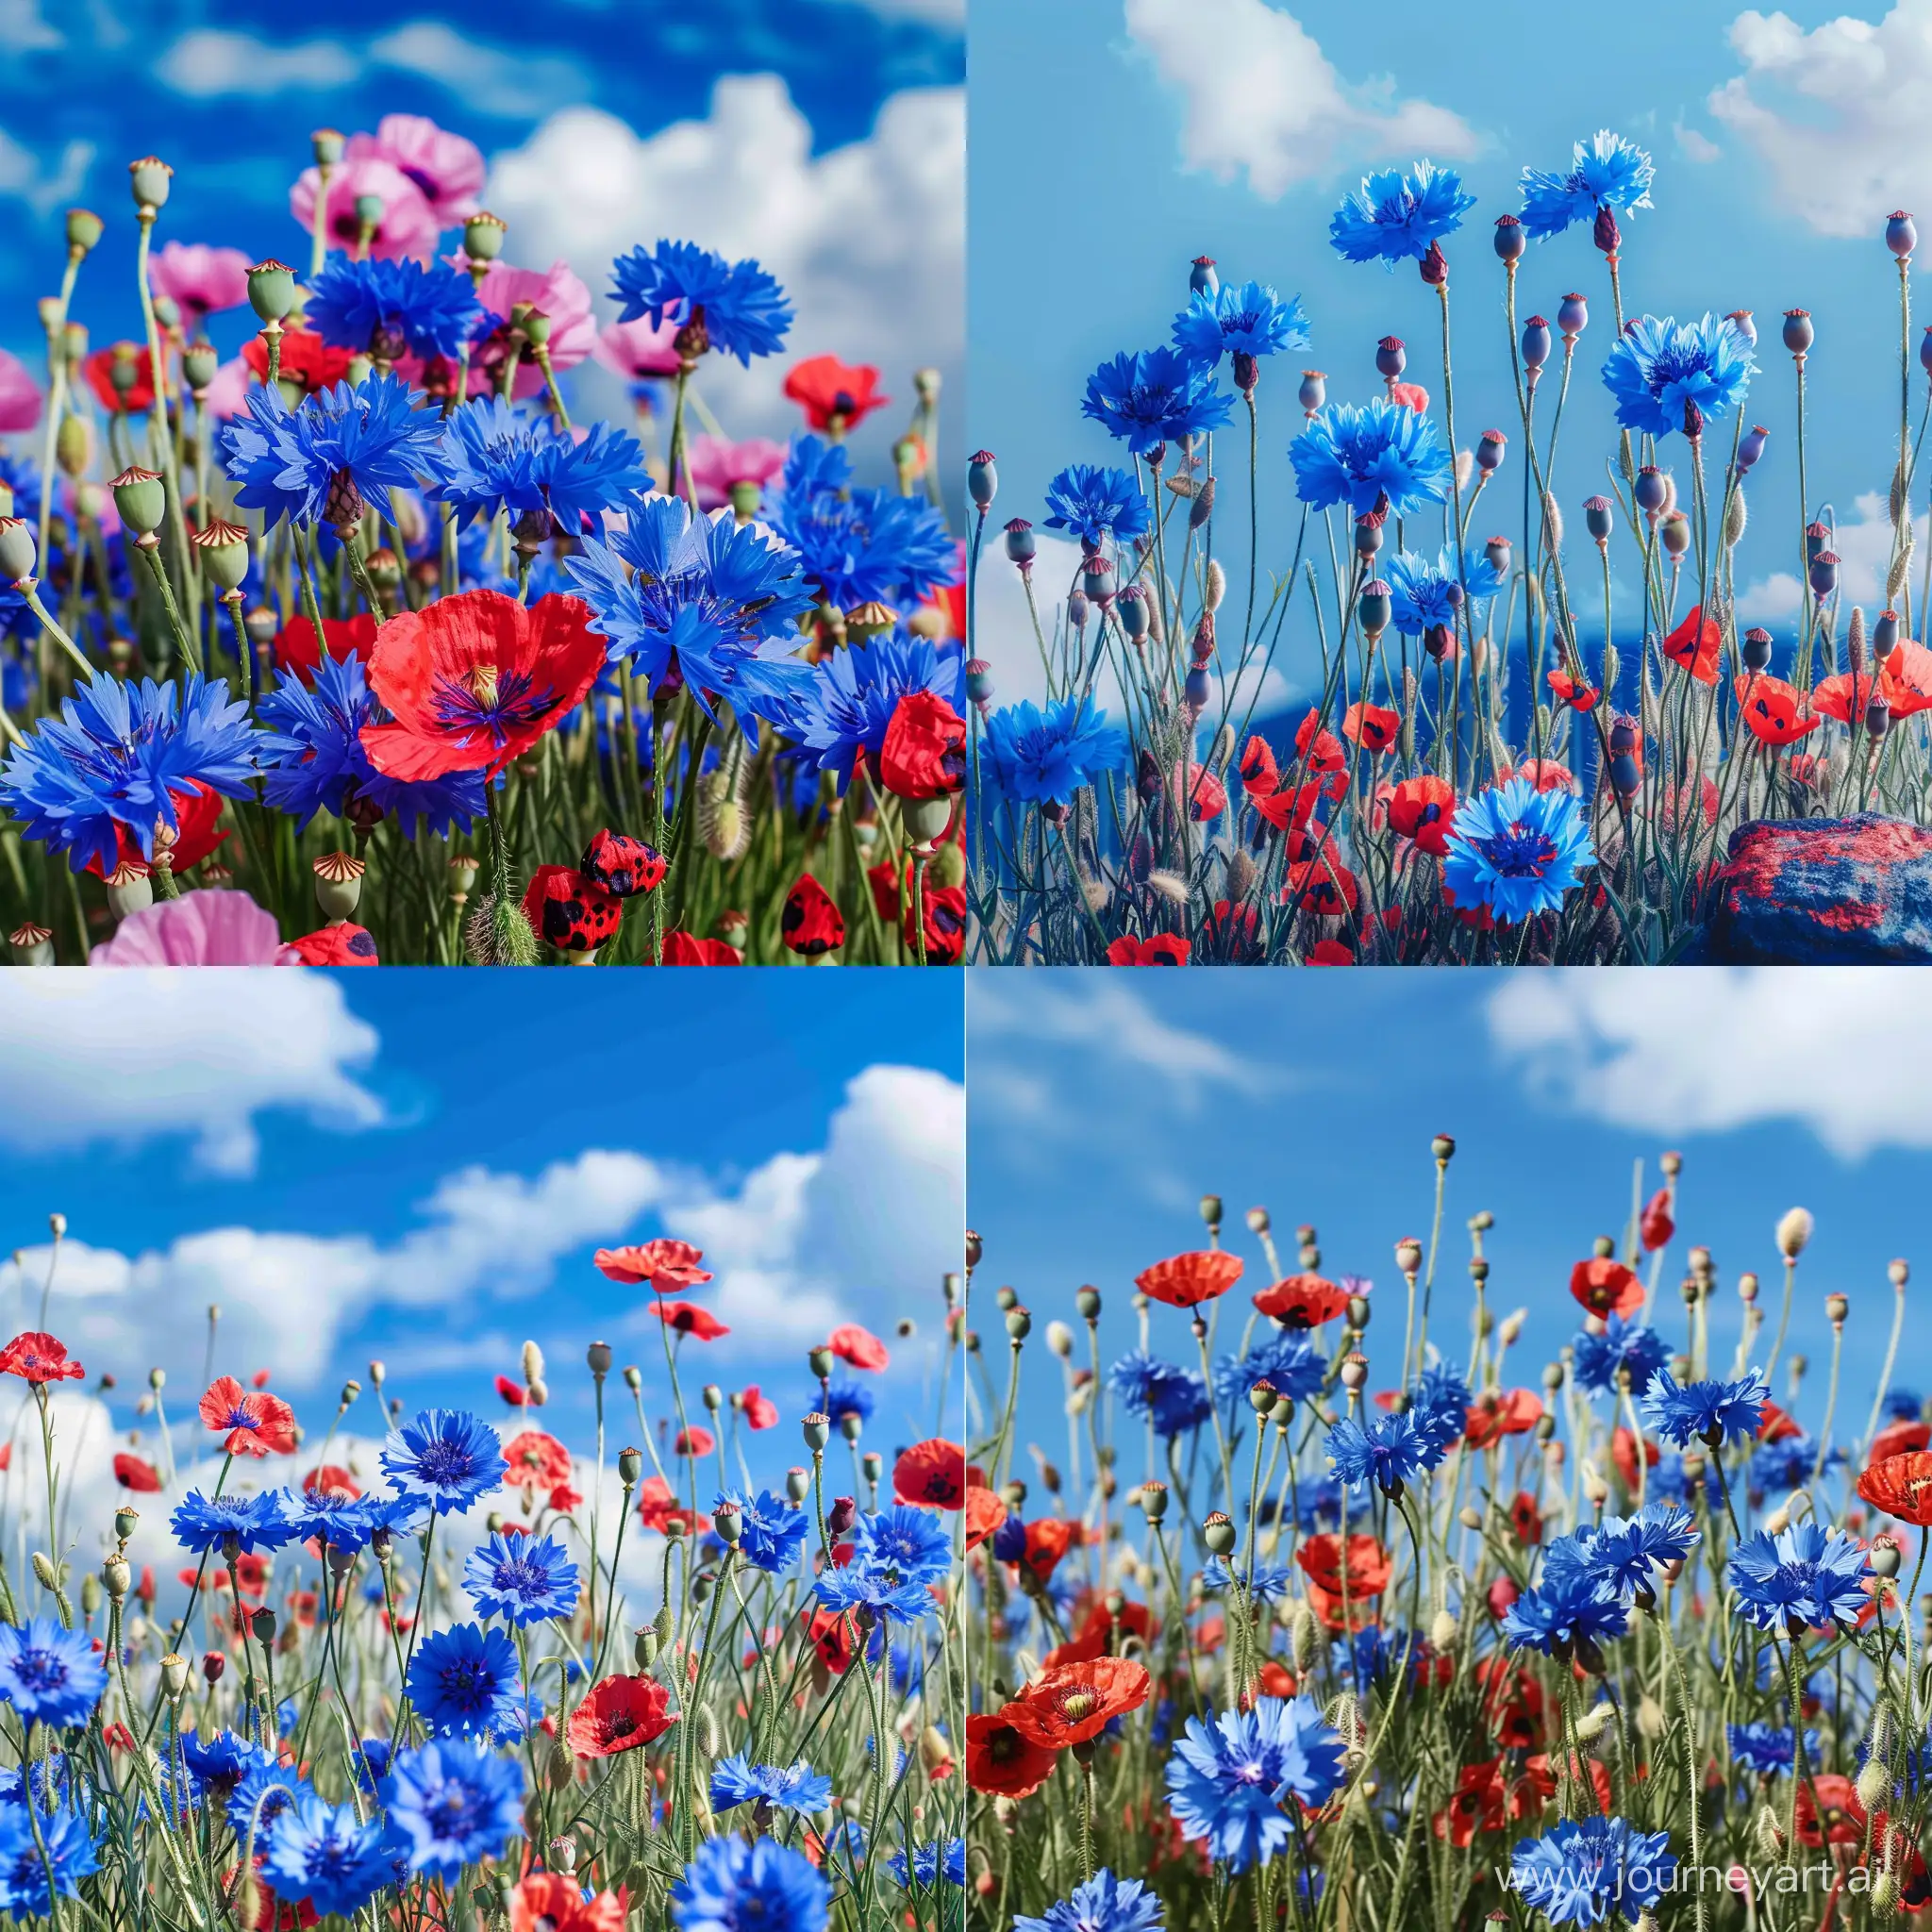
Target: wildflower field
1332, 1612
360, 629
1530, 729
460, 1674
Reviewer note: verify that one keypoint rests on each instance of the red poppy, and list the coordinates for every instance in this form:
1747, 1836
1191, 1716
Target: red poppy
38, 1357
829, 1633
1372, 726
619, 1715
1076, 1702
859, 1346
1294, 805
1512, 1702
1695, 645
1906, 682
825, 388
686, 949
985, 1513
1844, 695
931, 1473
1902, 1487
665, 1264
1096, 1638
1000, 1760
1303, 1301
945, 924
1657, 1225
1367, 1564
331, 1479
197, 813
1319, 750
555, 1902
256, 1424
624, 867
1185, 1281
1579, 697
1899, 1438
133, 359
343, 945
305, 358
812, 923
475, 679
571, 912
1546, 775
134, 1474
1163, 949
687, 1318
513, 1392
924, 752
1774, 1426
1206, 796
1258, 769
342, 638
1775, 712
758, 1409
1048, 1538
694, 1442
533, 1460
1424, 809
1323, 886
1329, 953
657, 1504
1497, 1413
1525, 1519
1829, 1811
1605, 1287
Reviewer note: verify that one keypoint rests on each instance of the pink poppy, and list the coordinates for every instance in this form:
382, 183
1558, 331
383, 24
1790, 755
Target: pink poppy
197, 930
202, 280
407, 225
20, 396
559, 295
447, 169
717, 465
632, 349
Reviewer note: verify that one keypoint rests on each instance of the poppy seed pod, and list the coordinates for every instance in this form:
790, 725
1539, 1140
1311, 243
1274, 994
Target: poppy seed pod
1901, 237
1794, 1231
142, 499
1022, 545
1674, 531
1198, 688
1219, 1533
1755, 648
982, 480
1313, 393
1210, 1212
1131, 607
1490, 451
1751, 447
1497, 553
1624, 776
1096, 580
148, 181
1153, 1500
1535, 342
1651, 489
271, 289
979, 685
1509, 239
1885, 635
1201, 280
1573, 316
1372, 606
1797, 333
1368, 534
224, 551
1877, 718
16, 549
1078, 610
1391, 357
1823, 572
816, 1429
1018, 1326
1603, 231
1597, 517
1740, 318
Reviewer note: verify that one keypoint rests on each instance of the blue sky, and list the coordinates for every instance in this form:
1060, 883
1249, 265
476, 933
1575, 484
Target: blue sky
1112, 141
1103, 1107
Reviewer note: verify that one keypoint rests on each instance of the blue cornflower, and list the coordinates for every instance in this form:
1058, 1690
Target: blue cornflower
1577, 1875
1173, 1398
1788, 1463
50, 1675
912, 1542
1104, 1904
1902, 1405
1250, 320
846, 1397
927, 1865
771, 1529
329, 1517
1572, 1606
203, 1525
267, 1793
1381, 456
65, 1845
465, 1679
1605, 172
740, 310
389, 306
220, 1763
314, 741
736, 1780
497, 457
843, 713
1802, 1577
872, 1587
1096, 503
1595, 1360
1157, 396
1766, 1749
1270, 1584
1395, 217
814, 465
321, 462
1438, 1404
321, 1853
1047, 755
1516, 850
867, 545
733, 1885
1666, 1481
1287, 1361
522, 1579
447, 1457
1626, 1550
52, 1782
117, 756
1666, 374
1229, 1781
1427, 592
1709, 1412
1388, 1451
451, 1804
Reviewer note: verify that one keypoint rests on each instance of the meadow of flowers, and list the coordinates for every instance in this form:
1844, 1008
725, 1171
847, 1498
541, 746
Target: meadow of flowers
1490, 769
360, 631
461, 1676
1332, 1622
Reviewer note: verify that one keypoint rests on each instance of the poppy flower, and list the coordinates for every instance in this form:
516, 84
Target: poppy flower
1329, 953
134, 1474
1776, 712
1695, 645
474, 680
570, 910
859, 1346
812, 923
624, 867
1498, 1414
534, 1461
1774, 1426
305, 358
343, 945
131, 361
931, 1474
1303, 1301
1206, 796
1605, 1287
687, 949
923, 754
664, 1263
1099, 1633
1655, 1225
1365, 1563
758, 1409
1185, 1281
1906, 682
1319, 751
254, 1423
1409, 395
1902, 1487
1372, 726
1291, 807
620, 1714
1898, 1438
513, 1392
38, 1357
1579, 697
945, 924
687, 1318
1844, 695
832, 394
694, 1442
1546, 775
343, 637
657, 1504
1048, 1538
1323, 886
197, 813
555, 1902
1003, 1762
331, 1479
829, 1633
1258, 771
1423, 809
1525, 1519
1076, 1702
1230, 934
984, 1513
1163, 949
1829, 1811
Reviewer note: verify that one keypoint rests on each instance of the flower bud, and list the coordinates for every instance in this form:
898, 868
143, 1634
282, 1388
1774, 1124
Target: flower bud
148, 178
1794, 1231
1219, 1533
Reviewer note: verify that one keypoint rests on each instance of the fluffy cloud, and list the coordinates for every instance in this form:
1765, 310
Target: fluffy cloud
1864, 548
1836, 115
868, 239
1260, 99
1683, 1053
24, 176
177, 1053
215, 61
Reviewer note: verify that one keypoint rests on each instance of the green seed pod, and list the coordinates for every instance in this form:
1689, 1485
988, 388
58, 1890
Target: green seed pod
271, 289
142, 499
84, 228
148, 179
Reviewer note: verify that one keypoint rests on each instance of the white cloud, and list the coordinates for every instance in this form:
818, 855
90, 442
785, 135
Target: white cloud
1683, 1053
25, 30
1260, 98
1838, 114
25, 177
1693, 145
932, 12
490, 80
201, 1053
869, 240
211, 60
1863, 549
